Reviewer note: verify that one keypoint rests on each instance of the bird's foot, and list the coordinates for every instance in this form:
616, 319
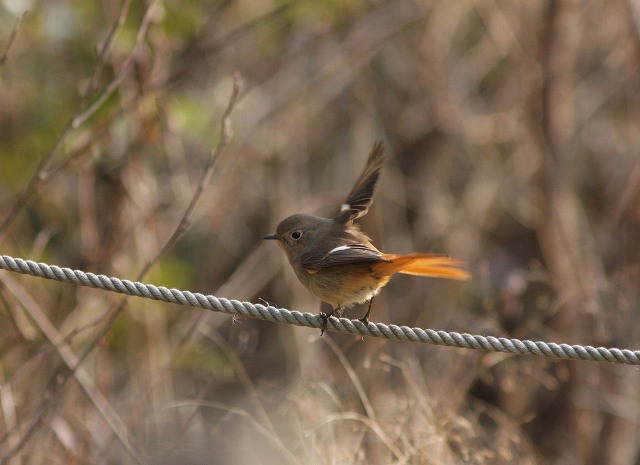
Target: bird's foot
324, 317
365, 321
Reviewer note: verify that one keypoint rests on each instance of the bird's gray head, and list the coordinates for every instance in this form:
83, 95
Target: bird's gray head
298, 231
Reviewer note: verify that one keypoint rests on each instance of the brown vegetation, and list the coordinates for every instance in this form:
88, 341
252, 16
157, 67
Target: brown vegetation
512, 129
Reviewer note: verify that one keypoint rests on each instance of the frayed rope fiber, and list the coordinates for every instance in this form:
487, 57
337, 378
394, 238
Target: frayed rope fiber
282, 315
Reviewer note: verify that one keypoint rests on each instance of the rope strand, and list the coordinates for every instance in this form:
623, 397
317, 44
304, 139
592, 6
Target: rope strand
282, 315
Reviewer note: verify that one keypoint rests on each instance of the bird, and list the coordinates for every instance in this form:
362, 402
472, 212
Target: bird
339, 264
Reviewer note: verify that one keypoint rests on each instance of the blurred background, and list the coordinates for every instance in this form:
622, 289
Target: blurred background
513, 141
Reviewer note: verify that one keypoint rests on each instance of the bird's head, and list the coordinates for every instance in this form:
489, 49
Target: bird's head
295, 233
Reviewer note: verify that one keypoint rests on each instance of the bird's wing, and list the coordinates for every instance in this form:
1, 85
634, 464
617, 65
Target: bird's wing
359, 199
342, 255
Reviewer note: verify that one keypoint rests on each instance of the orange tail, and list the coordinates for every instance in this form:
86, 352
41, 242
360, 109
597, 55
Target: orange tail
421, 264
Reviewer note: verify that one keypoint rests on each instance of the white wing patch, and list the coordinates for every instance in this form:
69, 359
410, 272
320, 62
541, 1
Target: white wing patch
344, 207
339, 248
346, 255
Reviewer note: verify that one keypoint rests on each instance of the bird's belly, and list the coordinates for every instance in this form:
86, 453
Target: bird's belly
342, 286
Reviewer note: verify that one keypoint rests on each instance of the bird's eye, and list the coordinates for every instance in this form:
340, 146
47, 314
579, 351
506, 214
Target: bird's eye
296, 235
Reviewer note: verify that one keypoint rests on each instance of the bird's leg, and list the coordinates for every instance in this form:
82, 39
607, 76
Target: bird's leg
325, 317
365, 318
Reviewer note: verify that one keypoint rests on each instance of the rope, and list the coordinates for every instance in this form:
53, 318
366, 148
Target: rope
282, 315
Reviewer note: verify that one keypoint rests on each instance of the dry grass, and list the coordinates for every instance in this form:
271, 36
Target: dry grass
512, 133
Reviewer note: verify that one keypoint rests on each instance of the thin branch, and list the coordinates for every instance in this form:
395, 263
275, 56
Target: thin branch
607, 231
85, 380
29, 430
634, 15
39, 174
199, 48
106, 45
225, 136
226, 133
12, 38
43, 172
364, 398
113, 86
80, 117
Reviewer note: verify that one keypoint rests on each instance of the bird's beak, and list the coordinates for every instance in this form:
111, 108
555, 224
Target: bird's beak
273, 236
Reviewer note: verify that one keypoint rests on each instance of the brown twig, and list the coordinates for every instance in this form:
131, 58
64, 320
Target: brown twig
28, 432
364, 398
76, 121
183, 224
106, 45
67, 339
85, 380
43, 173
12, 38
226, 133
224, 139
83, 116
199, 48
39, 174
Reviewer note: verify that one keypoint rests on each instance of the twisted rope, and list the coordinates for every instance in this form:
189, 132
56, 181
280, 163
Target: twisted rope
282, 315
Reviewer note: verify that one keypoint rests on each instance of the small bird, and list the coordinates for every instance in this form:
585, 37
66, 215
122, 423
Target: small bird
338, 263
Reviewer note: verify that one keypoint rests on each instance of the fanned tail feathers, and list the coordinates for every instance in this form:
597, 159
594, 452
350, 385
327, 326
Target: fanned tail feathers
419, 264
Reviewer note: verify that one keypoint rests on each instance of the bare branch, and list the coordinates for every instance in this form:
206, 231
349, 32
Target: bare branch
224, 139
226, 133
12, 38
106, 45
41, 171
39, 175
225, 136
126, 66
85, 380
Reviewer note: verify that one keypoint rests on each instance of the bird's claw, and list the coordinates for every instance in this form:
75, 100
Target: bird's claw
324, 317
